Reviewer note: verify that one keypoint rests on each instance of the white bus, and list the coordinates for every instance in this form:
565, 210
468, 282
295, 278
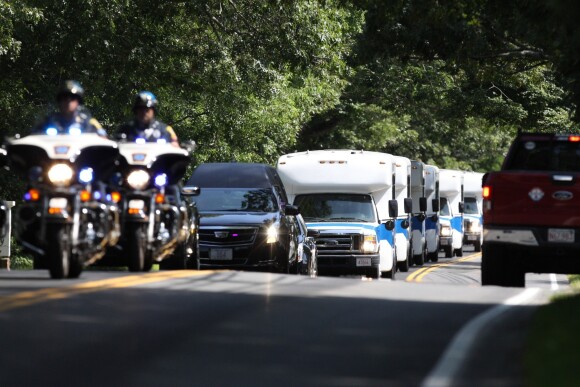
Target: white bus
347, 196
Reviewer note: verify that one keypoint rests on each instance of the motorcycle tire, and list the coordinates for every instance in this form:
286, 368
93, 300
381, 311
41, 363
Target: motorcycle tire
62, 263
136, 243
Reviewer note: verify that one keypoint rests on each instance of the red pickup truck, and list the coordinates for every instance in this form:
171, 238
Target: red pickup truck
531, 210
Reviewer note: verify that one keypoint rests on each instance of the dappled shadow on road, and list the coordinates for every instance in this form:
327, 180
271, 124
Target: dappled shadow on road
232, 330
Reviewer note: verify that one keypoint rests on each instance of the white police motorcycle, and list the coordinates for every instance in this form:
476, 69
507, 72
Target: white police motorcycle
156, 224
68, 218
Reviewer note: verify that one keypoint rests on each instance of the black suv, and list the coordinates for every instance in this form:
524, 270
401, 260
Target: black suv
245, 221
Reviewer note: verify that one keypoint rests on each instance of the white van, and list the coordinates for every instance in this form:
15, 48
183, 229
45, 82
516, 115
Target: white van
418, 217
402, 194
473, 215
451, 212
432, 213
347, 196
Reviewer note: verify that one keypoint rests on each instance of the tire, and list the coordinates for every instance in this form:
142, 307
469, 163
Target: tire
448, 250
477, 246
136, 247
433, 257
374, 272
62, 263
404, 266
177, 260
459, 252
497, 268
419, 260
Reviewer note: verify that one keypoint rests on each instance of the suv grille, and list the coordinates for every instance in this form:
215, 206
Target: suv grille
227, 235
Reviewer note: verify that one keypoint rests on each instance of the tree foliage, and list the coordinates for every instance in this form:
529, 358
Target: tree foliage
447, 83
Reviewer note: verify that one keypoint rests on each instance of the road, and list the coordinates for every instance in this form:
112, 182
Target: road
219, 328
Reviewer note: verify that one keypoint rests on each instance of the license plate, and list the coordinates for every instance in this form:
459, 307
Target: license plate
444, 242
221, 254
560, 235
363, 262
472, 237
58, 203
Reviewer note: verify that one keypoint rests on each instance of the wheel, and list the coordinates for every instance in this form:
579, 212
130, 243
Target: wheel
459, 252
433, 257
404, 266
477, 246
136, 247
419, 260
448, 250
374, 272
177, 260
61, 262
498, 268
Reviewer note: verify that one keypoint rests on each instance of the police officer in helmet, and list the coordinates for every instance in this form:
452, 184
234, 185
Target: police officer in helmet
72, 117
145, 127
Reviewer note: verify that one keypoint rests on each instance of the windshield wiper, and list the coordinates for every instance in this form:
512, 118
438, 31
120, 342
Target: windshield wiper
348, 218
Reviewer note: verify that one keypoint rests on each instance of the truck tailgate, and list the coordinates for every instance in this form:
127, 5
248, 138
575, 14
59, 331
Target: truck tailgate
533, 199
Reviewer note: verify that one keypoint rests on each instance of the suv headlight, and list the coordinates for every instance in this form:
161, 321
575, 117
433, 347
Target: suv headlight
445, 231
369, 245
138, 179
272, 234
60, 174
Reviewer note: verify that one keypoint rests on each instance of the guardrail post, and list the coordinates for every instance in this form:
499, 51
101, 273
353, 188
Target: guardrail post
5, 242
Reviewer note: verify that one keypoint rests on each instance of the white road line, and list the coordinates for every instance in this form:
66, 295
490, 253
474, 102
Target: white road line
456, 353
554, 281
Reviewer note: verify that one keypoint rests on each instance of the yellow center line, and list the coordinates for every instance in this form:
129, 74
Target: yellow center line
34, 297
420, 274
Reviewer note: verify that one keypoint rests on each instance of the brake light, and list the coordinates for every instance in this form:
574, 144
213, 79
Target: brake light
574, 138
486, 192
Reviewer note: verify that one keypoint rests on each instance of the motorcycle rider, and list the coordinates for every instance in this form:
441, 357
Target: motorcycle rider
72, 117
145, 125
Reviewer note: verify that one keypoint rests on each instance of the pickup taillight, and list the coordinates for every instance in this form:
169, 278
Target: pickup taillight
486, 193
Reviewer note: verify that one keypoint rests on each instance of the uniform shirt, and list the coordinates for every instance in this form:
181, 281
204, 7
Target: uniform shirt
156, 131
82, 122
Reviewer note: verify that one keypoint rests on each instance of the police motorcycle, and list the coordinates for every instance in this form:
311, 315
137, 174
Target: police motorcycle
156, 224
68, 218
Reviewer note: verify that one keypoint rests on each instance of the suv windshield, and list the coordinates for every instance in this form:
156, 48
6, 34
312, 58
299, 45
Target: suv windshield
236, 199
331, 207
545, 156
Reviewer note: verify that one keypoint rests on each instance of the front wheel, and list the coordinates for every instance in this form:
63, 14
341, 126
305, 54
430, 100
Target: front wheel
136, 240
62, 263
448, 250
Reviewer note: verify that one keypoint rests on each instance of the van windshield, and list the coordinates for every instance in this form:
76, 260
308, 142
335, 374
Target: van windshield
337, 207
444, 207
236, 199
470, 206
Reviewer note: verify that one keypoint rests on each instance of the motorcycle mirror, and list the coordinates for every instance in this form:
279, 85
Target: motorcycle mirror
190, 191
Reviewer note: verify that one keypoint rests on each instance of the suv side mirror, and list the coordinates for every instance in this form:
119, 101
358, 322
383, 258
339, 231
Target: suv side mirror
423, 204
190, 191
291, 210
393, 208
408, 204
435, 204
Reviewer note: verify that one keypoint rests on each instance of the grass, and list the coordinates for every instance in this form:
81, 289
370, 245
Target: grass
553, 345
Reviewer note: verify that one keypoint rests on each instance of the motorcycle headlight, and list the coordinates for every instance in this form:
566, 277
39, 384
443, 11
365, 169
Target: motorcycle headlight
445, 230
272, 234
369, 245
138, 179
60, 174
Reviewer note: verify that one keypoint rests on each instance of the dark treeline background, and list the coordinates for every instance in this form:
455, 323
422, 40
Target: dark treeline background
445, 82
